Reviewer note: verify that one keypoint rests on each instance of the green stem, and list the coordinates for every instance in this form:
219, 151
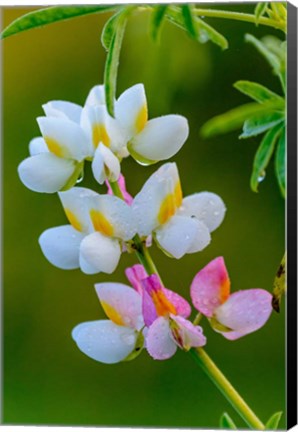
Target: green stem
144, 256
239, 16
226, 388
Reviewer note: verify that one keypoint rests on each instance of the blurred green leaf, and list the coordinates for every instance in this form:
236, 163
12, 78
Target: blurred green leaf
263, 156
259, 124
280, 162
260, 10
50, 15
272, 58
226, 422
109, 30
279, 284
235, 118
112, 62
190, 20
205, 31
256, 91
157, 19
273, 422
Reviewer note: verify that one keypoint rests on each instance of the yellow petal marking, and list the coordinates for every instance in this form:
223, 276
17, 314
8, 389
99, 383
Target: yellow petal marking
162, 305
141, 118
112, 313
54, 147
224, 290
73, 220
178, 194
167, 209
100, 134
101, 223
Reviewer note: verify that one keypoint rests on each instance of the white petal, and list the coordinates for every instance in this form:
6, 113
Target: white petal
60, 245
159, 342
63, 109
64, 138
99, 253
96, 96
104, 341
105, 165
76, 204
112, 217
148, 202
161, 138
131, 109
206, 206
37, 145
182, 235
45, 172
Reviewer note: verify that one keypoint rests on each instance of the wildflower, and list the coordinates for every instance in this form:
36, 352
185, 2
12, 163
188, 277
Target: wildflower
232, 315
119, 338
122, 186
93, 240
179, 225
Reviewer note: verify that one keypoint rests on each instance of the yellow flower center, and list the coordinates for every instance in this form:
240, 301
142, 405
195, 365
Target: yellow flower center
142, 118
54, 147
101, 223
112, 313
73, 220
100, 134
170, 204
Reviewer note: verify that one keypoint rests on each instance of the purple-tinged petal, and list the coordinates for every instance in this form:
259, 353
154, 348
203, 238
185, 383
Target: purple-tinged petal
148, 308
152, 286
210, 287
244, 312
181, 305
121, 183
159, 342
135, 274
185, 334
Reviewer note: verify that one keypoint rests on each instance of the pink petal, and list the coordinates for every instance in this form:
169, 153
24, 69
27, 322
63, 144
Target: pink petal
181, 305
159, 342
148, 309
121, 183
244, 312
185, 334
135, 274
210, 287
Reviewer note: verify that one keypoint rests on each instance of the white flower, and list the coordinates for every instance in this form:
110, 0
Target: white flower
93, 240
179, 225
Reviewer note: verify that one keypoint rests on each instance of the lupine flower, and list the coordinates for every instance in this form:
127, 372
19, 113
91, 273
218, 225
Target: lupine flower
179, 225
119, 338
122, 186
165, 316
232, 315
93, 240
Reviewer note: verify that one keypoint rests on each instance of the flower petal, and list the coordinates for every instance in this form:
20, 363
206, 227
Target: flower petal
112, 217
63, 109
245, 312
60, 245
121, 303
104, 341
96, 96
185, 334
37, 145
181, 305
159, 342
105, 165
210, 287
45, 172
181, 235
135, 275
161, 138
122, 186
158, 199
206, 206
99, 253
76, 204
64, 138
131, 110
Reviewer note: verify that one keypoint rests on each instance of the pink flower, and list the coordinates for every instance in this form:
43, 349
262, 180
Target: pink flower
121, 183
232, 315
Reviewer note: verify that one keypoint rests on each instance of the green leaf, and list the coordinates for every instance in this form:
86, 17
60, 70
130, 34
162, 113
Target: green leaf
109, 30
273, 422
226, 422
280, 162
261, 123
256, 91
263, 156
235, 118
157, 19
112, 62
190, 20
205, 31
260, 10
50, 15
272, 58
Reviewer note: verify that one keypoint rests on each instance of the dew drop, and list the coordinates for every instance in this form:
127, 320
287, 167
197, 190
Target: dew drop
80, 178
261, 176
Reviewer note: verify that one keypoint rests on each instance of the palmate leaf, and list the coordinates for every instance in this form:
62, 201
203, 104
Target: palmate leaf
226, 422
256, 91
261, 123
157, 19
273, 422
263, 156
280, 162
51, 15
260, 10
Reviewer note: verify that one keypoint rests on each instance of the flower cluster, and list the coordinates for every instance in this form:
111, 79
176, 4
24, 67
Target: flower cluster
102, 226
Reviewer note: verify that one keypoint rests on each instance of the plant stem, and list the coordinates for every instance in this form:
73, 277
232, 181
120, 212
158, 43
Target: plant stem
239, 16
226, 388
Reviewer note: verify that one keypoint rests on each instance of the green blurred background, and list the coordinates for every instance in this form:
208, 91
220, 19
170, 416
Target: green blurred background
47, 380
